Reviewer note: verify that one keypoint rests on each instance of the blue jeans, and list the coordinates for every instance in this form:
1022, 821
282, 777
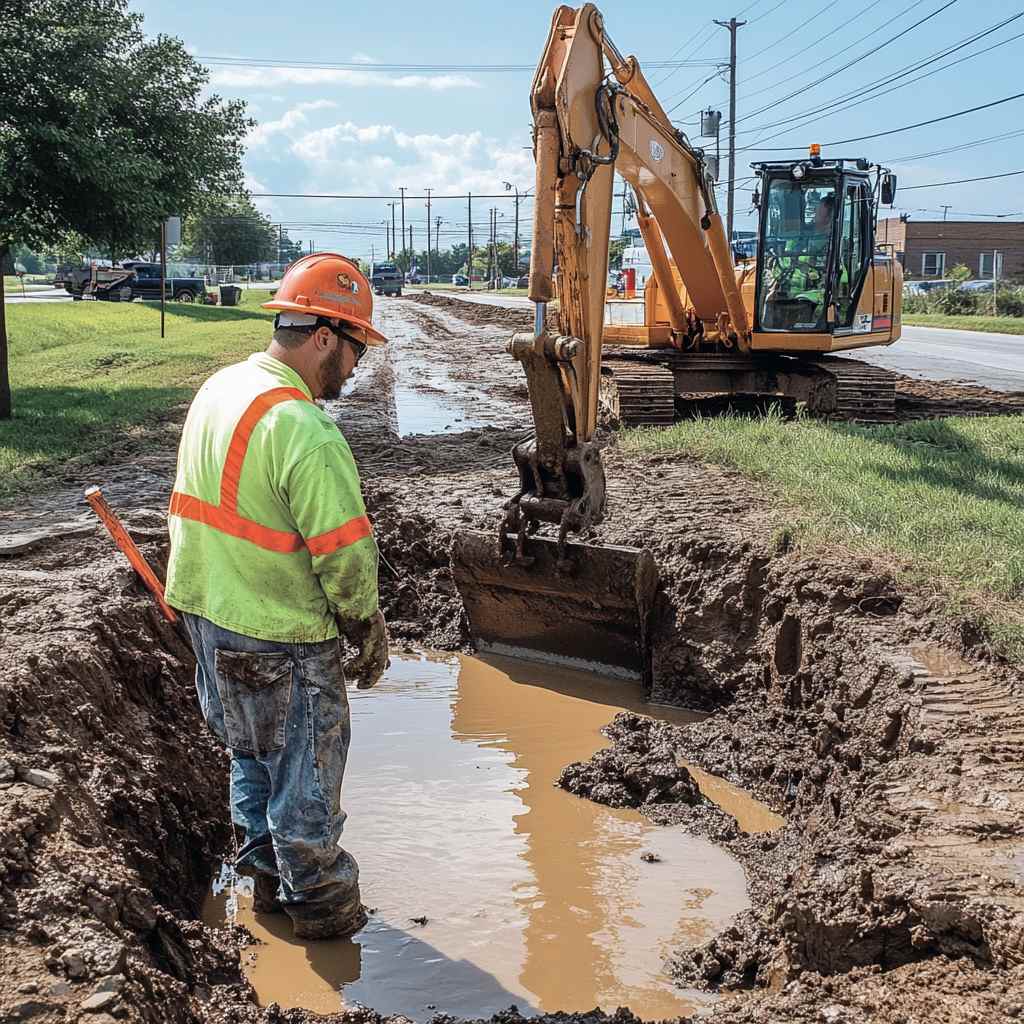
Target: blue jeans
282, 711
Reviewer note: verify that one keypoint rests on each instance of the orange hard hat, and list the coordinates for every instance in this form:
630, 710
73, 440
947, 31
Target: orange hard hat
329, 285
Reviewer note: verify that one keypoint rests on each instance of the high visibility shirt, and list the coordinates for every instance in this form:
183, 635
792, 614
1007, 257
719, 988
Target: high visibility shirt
269, 534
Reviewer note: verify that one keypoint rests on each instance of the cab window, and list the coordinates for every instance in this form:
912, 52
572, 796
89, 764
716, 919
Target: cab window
853, 241
798, 223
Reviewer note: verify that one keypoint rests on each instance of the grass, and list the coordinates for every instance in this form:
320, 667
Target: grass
12, 285
941, 499
996, 324
85, 374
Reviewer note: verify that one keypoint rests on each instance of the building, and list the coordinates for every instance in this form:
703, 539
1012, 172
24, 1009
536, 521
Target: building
932, 248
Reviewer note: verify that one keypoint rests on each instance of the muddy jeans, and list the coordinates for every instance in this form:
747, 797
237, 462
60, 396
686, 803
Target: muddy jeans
282, 711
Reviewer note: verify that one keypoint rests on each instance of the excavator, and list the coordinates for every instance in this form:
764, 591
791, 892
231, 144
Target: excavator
710, 324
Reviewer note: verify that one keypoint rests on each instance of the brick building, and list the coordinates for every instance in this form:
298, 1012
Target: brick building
930, 248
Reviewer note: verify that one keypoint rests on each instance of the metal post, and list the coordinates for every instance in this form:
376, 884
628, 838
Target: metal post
402, 190
732, 25
394, 239
469, 256
995, 282
515, 257
428, 236
163, 273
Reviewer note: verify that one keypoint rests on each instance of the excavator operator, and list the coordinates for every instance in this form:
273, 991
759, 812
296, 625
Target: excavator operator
800, 270
272, 559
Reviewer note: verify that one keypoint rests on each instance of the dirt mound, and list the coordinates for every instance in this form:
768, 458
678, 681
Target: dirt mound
640, 768
480, 313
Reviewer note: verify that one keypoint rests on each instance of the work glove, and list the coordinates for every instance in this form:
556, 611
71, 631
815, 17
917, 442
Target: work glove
369, 637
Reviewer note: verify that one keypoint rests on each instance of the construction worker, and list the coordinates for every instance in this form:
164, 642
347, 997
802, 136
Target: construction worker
272, 561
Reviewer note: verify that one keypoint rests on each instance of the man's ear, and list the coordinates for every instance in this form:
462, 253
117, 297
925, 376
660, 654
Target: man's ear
323, 337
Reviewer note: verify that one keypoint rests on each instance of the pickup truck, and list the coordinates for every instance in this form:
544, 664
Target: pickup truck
386, 279
132, 280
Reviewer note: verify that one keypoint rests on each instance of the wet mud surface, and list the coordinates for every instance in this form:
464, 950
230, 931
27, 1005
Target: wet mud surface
886, 736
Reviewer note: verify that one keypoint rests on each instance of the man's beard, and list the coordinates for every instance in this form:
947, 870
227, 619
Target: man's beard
332, 376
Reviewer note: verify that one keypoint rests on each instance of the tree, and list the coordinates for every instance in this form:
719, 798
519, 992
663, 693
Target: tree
230, 231
103, 132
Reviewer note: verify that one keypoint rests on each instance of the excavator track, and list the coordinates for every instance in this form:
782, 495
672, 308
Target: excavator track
863, 393
640, 386
639, 394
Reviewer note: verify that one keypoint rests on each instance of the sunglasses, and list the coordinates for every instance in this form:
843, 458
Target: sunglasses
359, 346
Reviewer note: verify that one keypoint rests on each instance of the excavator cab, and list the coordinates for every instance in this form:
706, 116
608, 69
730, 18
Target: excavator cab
815, 244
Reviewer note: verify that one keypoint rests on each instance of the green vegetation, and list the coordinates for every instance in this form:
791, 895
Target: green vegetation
941, 499
997, 324
87, 374
13, 285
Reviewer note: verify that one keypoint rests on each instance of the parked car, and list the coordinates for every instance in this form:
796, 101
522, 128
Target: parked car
386, 279
923, 287
524, 281
461, 280
980, 285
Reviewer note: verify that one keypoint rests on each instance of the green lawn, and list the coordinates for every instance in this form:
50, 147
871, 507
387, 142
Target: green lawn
84, 374
12, 285
941, 500
998, 324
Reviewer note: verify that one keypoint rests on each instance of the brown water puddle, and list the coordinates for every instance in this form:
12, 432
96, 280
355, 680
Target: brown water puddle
751, 815
531, 896
940, 663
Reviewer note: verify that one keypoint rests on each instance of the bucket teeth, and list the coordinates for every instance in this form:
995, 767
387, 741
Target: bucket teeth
590, 611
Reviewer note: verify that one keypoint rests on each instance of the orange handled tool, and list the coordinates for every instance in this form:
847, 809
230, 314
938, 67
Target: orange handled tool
123, 540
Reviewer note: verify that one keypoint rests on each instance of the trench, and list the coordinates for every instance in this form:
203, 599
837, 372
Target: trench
490, 885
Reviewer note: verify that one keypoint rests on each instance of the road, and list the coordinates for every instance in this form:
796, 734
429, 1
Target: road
933, 353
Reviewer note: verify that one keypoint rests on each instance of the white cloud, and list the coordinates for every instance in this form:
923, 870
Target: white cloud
289, 119
242, 78
380, 157
363, 58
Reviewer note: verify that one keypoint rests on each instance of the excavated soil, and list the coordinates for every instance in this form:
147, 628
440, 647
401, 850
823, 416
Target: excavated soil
887, 736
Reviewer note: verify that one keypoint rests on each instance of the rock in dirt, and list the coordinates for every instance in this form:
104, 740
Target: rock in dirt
39, 777
98, 1001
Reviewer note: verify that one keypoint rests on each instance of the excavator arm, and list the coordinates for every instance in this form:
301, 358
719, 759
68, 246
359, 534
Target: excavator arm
587, 125
551, 598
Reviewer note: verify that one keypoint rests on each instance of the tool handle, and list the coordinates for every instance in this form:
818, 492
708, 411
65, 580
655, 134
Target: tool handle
123, 540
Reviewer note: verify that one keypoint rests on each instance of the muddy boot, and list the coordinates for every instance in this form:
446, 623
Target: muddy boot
264, 898
327, 919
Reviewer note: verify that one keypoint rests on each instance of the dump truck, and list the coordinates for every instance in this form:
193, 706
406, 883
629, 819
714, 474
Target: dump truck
386, 279
767, 326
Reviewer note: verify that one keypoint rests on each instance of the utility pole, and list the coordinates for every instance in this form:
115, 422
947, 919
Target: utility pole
995, 282
437, 235
469, 256
280, 243
394, 239
387, 238
732, 25
410, 250
946, 207
428, 235
402, 190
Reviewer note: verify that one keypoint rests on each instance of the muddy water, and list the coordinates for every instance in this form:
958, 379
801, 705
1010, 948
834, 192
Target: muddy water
531, 896
751, 815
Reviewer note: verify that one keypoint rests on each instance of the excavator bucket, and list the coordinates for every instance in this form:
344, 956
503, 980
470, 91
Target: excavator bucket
590, 610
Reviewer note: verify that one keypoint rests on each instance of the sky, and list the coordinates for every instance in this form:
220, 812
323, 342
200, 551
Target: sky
447, 121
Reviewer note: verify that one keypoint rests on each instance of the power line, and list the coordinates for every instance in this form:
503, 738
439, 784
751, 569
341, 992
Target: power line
848, 64
956, 149
312, 65
894, 131
821, 39
960, 181
839, 103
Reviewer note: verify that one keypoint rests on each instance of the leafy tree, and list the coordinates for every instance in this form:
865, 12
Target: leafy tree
103, 131
230, 231
960, 273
